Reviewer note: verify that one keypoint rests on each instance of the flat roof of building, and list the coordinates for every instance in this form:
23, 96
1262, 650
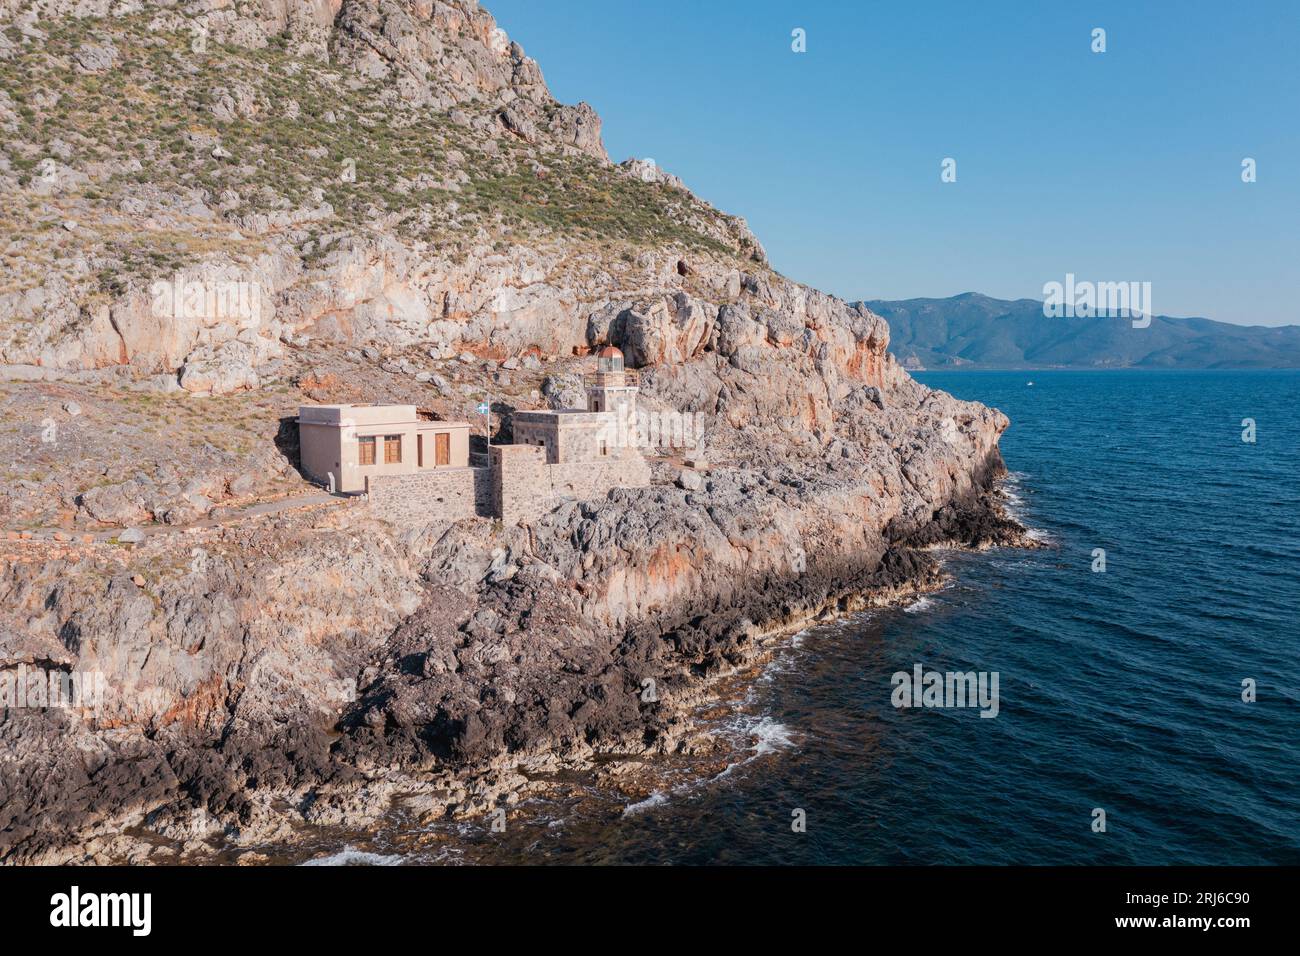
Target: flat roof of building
371, 413
556, 413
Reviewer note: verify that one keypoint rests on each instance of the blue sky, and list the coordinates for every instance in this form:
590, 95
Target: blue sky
1123, 165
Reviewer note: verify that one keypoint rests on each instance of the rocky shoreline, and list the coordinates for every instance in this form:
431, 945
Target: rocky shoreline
709, 648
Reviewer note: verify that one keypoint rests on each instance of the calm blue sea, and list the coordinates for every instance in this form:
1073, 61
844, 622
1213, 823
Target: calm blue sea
1119, 690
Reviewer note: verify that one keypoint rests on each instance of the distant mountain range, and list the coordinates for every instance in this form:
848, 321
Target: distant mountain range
975, 331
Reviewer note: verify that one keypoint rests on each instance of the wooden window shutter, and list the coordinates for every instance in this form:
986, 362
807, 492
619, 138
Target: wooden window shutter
366, 451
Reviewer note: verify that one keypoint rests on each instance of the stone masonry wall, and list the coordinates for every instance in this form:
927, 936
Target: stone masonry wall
443, 495
593, 479
520, 486
524, 487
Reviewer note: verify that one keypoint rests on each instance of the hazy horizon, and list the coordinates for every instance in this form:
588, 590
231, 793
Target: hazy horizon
1039, 298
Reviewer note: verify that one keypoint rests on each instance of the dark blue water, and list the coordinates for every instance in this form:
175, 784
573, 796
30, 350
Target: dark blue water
1119, 690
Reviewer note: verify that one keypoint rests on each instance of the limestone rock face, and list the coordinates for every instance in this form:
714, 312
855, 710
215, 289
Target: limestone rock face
564, 391
668, 331
116, 504
229, 368
92, 58
362, 282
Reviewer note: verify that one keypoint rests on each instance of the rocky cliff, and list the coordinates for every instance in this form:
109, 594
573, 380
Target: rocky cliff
216, 210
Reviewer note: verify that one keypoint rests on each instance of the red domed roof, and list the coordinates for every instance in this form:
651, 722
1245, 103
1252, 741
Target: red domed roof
609, 352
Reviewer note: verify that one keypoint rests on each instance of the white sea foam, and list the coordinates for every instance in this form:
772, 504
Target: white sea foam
768, 736
919, 605
771, 735
350, 856
1015, 504
654, 800
784, 663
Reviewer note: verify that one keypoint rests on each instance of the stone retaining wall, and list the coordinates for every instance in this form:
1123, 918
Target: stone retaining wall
449, 494
520, 486
525, 487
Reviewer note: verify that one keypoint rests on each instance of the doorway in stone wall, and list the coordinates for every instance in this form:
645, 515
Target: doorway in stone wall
442, 449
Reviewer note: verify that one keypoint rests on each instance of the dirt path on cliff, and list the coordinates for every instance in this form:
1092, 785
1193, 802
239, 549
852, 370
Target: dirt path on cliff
64, 536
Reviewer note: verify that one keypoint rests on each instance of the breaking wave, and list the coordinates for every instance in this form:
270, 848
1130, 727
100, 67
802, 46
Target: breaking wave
350, 856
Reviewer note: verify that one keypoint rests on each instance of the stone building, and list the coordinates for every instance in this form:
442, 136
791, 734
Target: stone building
344, 446
604, 429
415, 469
